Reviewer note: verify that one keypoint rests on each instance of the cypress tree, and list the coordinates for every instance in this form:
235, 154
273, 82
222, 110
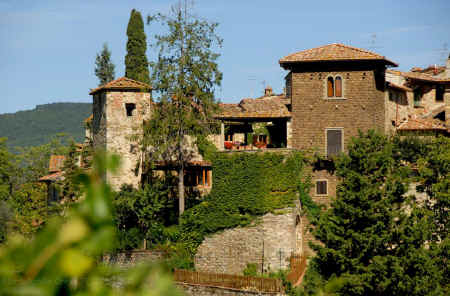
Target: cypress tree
104, 68
136, 64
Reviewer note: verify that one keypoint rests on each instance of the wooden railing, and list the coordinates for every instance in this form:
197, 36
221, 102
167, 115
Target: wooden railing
298, 268
238, 282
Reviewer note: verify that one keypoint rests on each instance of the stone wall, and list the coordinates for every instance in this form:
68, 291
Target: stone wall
131, 258
360, 108
201, 290
119, 128
399, 105
99, 121
231, 250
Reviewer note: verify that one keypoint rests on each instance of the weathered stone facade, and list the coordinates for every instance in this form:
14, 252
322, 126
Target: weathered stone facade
231, 250
114, 125
202, 290
360, 108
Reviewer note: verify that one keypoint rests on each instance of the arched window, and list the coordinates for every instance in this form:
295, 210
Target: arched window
338, 85
330, 86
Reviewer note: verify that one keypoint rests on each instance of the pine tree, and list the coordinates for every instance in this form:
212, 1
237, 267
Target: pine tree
185, 76
374, 237
136, 64
104, 68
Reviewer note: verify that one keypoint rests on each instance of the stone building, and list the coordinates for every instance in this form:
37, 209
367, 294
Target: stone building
119, 110
331, 93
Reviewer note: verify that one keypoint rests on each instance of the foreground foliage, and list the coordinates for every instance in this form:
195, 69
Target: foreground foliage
62, 259
377, 240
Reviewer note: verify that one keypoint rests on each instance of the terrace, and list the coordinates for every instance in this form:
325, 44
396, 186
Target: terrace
255, 124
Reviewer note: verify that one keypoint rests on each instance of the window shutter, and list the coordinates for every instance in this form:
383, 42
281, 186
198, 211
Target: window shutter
330, 87
338, 82
321, 187
334, 142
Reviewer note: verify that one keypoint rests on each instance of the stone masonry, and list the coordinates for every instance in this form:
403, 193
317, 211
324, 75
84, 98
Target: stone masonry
113, 127
230, 251
202, 290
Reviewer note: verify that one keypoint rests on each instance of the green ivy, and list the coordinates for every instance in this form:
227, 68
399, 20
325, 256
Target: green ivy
245, 186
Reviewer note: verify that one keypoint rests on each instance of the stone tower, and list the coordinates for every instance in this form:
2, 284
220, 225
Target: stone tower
119, 110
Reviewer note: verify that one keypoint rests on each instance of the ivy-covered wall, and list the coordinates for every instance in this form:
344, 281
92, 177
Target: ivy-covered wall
245, 186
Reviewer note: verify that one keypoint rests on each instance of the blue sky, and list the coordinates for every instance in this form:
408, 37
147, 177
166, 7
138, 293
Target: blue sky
48, 47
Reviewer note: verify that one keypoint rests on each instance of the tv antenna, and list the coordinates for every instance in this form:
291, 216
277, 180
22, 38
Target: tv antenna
443, 53
252, 78
373, 42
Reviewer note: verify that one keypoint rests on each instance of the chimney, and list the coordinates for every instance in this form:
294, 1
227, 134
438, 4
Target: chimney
447, 67
267, 91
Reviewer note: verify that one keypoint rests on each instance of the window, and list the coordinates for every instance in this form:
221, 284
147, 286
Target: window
338, 83
334, 87
198, 176
130, 108
417, 97
440, 93
330, 87
334, 141
321, 187
229, 137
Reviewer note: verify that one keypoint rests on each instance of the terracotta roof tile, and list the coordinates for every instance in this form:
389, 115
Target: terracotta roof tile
58, 176
122, 83
419, 76
265, 107
424, 77
399, 87
333, 52
56, 163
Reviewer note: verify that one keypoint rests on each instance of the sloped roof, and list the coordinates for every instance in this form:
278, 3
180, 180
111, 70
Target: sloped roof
265, 107
398, 87
432, 70
58, 176
333, 52
122, 83
424, 77
414, 124
56, 163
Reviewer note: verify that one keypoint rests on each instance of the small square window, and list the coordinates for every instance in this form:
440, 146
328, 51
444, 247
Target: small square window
322, 187
130, 107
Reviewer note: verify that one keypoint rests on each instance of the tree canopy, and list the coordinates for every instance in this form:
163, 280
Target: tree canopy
136, 63
185, 76
376, 240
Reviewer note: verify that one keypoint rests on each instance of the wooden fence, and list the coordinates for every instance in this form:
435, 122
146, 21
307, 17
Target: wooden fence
228, 281
298, 268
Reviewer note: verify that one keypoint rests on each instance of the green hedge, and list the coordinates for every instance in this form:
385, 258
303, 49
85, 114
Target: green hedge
245, 185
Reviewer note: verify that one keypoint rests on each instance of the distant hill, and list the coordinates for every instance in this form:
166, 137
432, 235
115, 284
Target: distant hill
37, 126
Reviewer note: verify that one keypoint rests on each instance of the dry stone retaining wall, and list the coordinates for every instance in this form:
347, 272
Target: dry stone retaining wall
231, 250
201, 290
131, 258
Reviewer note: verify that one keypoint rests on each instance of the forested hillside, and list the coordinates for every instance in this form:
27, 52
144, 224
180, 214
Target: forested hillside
37, 126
